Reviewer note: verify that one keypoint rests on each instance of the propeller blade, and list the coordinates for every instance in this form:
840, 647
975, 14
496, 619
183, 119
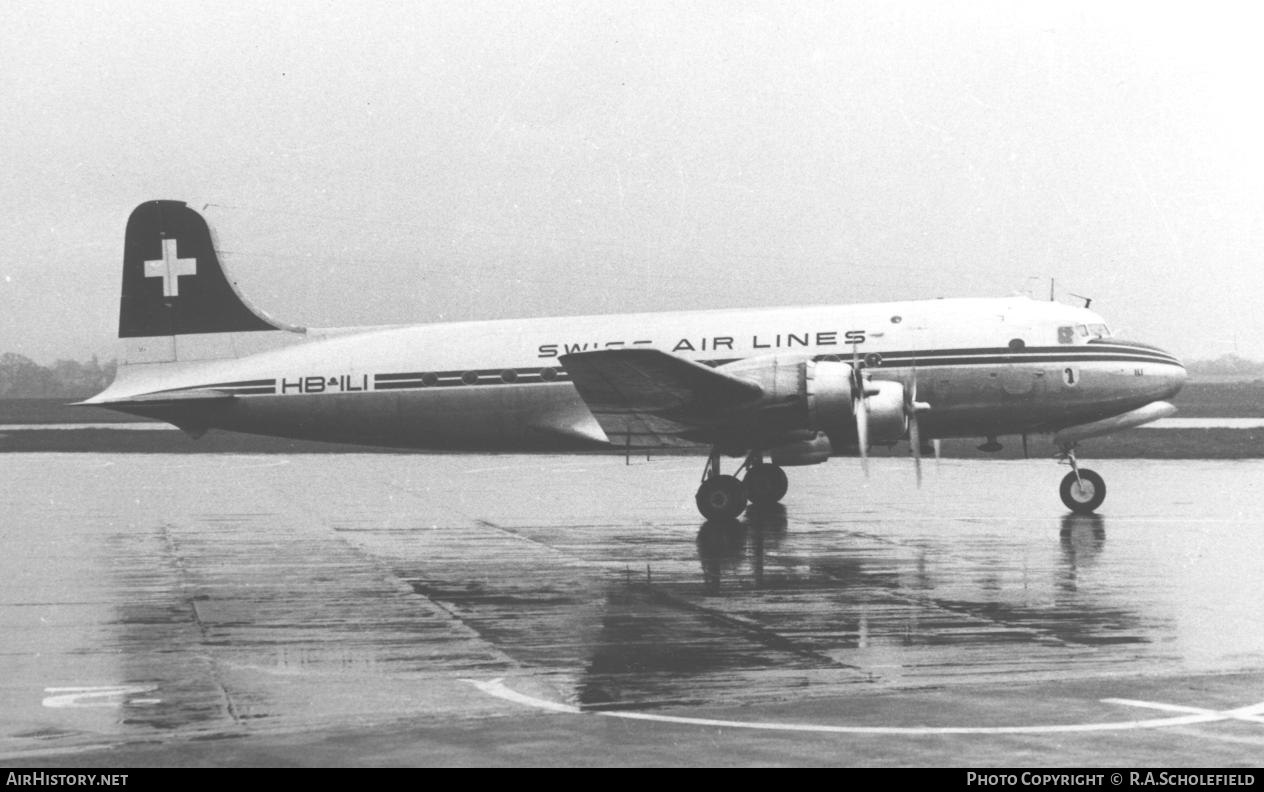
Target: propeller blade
915, 439
862, 431
860, 407
938, 444
911, 408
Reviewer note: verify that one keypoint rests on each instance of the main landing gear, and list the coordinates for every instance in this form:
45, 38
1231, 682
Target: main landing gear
1082, 489
722, 497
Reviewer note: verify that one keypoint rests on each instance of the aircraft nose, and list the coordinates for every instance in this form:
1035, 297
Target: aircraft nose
1162, 377
1172, 376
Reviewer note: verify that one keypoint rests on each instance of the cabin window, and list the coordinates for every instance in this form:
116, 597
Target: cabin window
1083, 330
508, 375
548, 374
430, 379
1099, 331
1066, 335
1017, 344
469, 377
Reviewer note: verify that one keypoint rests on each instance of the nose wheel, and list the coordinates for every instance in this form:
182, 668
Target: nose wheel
1082, 490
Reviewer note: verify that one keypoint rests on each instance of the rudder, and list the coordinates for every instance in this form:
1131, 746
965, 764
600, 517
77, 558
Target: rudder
173, 283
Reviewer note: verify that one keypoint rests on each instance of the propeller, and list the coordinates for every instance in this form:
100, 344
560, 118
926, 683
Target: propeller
911, 408
860, 408
861, 390
915, 433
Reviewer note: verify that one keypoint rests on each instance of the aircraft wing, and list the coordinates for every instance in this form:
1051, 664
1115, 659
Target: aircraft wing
649, 395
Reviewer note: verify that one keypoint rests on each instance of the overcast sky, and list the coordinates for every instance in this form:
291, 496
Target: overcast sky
367, 163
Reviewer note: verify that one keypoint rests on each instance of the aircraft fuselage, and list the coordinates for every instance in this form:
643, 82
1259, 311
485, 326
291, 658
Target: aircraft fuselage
986, 367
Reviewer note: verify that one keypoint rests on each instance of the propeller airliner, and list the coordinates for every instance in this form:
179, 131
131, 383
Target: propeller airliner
771, 387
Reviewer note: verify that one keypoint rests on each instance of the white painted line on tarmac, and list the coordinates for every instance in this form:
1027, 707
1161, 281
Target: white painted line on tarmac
93, 696
251, 464
497, 688
121, 426
235, 462
1252, 713
1205, 423
54, 750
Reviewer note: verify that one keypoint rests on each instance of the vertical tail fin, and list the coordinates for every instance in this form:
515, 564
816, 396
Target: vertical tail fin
178, 303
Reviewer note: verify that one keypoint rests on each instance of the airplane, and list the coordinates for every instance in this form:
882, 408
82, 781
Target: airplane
771, 387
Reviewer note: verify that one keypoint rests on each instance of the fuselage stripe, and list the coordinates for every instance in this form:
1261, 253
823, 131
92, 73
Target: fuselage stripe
243, 384
874, 362
889, 361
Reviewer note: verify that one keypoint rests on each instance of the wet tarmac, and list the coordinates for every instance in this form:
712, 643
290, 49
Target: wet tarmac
484, 610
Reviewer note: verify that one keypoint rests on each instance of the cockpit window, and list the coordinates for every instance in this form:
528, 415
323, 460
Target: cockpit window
1069, 334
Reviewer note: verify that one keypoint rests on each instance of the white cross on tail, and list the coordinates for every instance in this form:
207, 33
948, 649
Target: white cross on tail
170, 268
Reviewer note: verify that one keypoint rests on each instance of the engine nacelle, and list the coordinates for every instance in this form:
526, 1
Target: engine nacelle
808, 447
782, 377
828, 392
831, 403
805, 394
888, 420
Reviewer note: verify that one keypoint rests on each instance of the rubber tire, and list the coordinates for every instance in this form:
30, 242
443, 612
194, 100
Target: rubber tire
1079, 505
721, 498
766, 484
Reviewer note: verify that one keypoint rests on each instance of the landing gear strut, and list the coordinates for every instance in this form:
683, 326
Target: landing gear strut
722, 497
1082, 489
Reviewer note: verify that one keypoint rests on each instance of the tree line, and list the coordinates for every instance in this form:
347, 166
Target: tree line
1226, 365
23, 378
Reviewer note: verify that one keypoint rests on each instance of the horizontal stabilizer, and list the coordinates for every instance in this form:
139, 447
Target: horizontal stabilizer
567, 426
158, 398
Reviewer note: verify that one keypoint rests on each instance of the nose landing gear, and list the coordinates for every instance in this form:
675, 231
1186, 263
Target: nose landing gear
1082, 490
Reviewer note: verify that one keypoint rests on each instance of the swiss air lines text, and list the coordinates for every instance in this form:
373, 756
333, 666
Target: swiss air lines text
718, 343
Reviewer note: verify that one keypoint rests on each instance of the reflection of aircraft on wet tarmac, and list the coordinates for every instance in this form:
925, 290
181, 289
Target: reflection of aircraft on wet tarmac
724, 544
775, 387
776, 613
